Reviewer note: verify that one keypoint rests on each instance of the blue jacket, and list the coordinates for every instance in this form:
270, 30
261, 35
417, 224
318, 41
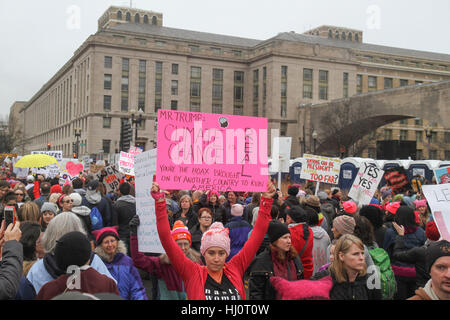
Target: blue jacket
411, 240
103, 207
239, 229
128, 279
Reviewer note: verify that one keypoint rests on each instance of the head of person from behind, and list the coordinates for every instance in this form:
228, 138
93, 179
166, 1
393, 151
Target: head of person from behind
349, 261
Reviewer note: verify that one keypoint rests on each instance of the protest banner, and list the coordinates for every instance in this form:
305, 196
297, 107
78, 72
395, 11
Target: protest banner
366, 183
397, 180
126, 163
438, 198
442, 175
320, 169
145, 168
57, 154
111, 178
202, 151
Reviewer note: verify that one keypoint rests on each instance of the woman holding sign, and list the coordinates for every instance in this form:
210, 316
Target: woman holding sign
216, 280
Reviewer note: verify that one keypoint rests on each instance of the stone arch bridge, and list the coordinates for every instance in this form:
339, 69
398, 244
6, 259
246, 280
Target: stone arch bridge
326, 127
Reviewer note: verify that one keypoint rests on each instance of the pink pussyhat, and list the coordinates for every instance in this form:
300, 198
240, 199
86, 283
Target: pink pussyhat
420, 203
216, 236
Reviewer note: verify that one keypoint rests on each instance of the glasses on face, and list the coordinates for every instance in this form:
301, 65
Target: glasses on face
19, 194
68, 201
206, 218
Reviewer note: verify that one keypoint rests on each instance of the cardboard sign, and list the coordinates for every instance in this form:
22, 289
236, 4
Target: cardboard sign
281, 154
126, 163
366, 183
145, 168
442, 175
58, 155
397, 180
321, 169
111, 178
438, 198
202, 151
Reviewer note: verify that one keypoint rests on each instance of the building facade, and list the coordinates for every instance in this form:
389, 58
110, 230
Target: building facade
134, 63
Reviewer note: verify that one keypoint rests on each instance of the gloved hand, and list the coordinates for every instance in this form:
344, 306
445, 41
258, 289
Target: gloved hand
134, 223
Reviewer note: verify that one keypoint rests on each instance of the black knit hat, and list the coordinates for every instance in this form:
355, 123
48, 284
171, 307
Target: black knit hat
276, 230
293, 190
73, 248
435, 251
298, 214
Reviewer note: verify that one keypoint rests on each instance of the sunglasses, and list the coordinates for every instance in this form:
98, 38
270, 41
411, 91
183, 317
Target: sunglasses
19, 194
68, 201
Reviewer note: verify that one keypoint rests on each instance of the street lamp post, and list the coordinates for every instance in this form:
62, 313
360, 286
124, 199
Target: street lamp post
314, 136
77, 135
137, 122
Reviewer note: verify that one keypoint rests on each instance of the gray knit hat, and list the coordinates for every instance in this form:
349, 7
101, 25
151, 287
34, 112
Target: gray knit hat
49, 206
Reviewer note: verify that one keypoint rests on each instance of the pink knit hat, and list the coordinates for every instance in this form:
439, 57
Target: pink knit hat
420, 203
349, 206
216, 236
237, 210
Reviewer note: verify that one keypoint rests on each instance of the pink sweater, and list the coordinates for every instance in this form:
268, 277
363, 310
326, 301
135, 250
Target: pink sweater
194, 276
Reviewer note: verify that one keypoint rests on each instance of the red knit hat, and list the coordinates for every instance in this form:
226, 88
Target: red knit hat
180, 231
56, 189
392, 207
349, 206
103, 233
432, 231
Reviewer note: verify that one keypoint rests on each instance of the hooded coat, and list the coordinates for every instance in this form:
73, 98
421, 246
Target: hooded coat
83, 213
125, 208
121, 267
320, 246
239, 229
95, 199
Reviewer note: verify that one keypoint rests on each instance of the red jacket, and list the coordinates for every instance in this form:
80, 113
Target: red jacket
298, 243
194, 275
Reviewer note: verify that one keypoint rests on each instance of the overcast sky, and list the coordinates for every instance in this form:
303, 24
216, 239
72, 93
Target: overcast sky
38, 37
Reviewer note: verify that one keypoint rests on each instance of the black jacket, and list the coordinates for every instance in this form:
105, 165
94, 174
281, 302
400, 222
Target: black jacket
125, 208
414, 256
196, 237
260, 271
356, 290
191, 217
11, 268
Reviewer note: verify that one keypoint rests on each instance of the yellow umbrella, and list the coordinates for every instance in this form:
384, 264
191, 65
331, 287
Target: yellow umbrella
35, 161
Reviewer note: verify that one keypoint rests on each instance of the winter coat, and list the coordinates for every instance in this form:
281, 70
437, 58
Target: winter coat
289, 202
45, 270
26, 290
190, 220
195, 276
219, 212
238, 233
102, 205
379, 235
10, 269
425, 293
356, 290
81, 192
84, 213
196, 237
170, 284
298, 242
129, 281
125, 207
414, 256
321, 243
248, 215
227, 207
91, 281
411, 240
262, 268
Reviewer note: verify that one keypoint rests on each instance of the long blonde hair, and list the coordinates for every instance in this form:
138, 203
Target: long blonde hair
343, 245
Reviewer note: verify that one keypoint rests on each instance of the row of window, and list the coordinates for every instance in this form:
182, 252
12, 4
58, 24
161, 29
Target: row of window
419, 136
343, 35
137, 18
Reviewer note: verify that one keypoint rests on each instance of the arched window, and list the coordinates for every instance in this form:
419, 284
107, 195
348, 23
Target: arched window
350, 36
128, 16
330, 34
356, 37
337, 35
136, 18
119, 15
154, 20
343, 36
146, 19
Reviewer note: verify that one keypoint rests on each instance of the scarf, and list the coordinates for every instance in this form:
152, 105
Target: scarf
430, 292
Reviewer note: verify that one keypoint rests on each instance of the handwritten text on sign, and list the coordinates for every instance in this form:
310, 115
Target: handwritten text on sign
111, 178
211, 151
438, 198
126, 163
366, 183
321, 169
145, 168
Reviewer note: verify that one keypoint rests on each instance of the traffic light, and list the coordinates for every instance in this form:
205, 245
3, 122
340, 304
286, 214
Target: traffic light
75, 156
49, 146
126, 134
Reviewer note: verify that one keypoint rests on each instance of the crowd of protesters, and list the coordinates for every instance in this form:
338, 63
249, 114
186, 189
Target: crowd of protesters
219, 245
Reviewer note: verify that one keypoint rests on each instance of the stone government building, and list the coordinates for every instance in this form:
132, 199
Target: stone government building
134, 62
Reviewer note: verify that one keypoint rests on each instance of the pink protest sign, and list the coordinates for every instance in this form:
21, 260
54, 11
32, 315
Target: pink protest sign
202, 151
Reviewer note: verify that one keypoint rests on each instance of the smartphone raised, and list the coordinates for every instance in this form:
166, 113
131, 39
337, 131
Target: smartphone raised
9, 215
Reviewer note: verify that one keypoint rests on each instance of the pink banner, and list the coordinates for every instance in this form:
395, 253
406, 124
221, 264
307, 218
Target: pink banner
202, 151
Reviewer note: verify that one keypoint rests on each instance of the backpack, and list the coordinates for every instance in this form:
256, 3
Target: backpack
388, 283
96, 219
